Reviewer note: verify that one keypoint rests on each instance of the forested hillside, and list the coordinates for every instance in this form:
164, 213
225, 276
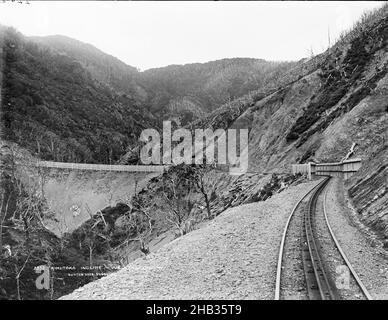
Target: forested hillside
103, 67
65, 100
52, 106
194, 90
181, 92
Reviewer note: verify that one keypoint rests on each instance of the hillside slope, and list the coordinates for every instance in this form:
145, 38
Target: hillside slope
232, 257
341, 102
52, 106
65, 100
103, 67
194, 90
179, 92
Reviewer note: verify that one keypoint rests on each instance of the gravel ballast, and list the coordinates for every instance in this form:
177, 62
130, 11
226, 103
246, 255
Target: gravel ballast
329, 253
232, 257
368, 258
293, 285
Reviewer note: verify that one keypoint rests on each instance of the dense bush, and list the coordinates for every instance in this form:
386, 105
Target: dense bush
51, 106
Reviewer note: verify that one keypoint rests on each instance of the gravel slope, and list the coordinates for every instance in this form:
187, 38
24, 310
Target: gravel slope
232, 257
367, 256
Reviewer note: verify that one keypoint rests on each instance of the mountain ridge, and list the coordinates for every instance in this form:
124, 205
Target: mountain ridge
202, 86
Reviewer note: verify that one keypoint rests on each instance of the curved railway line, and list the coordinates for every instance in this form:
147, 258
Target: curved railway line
318, 282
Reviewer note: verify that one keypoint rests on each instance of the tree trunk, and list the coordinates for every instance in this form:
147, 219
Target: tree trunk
3, 214
52, 285
206, 200
38, 145
143, 248
90, 256
18, 287
207, 205
1, 238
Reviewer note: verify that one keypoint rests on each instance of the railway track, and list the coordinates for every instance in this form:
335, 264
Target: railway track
318, 282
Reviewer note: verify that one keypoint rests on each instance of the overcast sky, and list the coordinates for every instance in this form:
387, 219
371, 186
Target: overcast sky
152, 34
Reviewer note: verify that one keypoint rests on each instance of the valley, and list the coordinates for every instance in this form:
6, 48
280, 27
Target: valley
65, 101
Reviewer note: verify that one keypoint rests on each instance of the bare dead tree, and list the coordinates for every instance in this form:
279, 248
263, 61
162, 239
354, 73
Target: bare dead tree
18, 272
3, 217
29, 209
200, 183
140, 220
178, 206
90, 244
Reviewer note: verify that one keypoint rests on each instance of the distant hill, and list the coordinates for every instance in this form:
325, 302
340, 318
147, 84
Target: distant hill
66, 100
103, 67
181, 92
194, 90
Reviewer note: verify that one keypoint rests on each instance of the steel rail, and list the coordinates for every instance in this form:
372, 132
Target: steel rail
281, 250
326, 288
349, 265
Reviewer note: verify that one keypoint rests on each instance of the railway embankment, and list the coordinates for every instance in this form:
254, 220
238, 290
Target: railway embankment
232, 257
